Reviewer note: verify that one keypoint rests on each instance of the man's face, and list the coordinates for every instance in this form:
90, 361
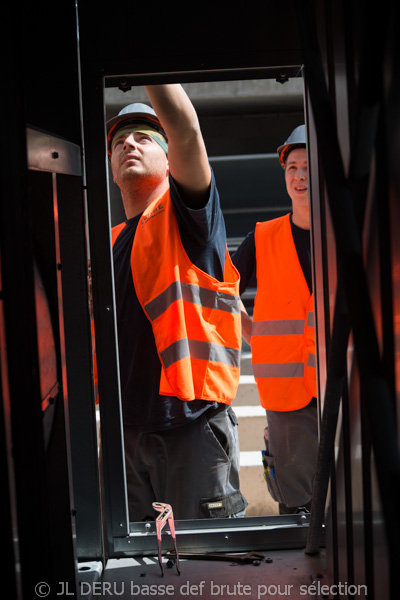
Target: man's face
137, 154
296, 177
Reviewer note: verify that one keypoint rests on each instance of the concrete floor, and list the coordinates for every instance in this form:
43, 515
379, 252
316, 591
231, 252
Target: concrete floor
285, 573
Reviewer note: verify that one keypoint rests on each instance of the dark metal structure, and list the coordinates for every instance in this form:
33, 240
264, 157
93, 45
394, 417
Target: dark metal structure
62, 505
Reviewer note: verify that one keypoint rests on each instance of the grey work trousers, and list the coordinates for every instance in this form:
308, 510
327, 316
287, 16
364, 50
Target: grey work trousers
194, 468
291, 454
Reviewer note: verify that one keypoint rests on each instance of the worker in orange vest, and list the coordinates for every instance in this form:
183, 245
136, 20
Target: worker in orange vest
276, 257
178, 314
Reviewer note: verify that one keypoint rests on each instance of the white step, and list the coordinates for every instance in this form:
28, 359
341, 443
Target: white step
252, 420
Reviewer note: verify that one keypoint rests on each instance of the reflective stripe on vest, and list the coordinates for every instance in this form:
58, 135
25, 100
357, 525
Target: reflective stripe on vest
283, 345
274, 370
195, 318
200, 350
280, 327
191, 293
283, 327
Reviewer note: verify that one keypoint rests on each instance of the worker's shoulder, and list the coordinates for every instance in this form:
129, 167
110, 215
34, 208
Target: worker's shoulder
273, 224
116, 230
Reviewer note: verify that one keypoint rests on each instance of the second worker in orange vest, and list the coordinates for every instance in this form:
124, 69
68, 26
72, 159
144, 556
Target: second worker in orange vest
275, 258
178, 314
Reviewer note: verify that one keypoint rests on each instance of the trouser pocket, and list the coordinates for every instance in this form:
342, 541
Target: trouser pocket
222, 422
229, 505
270, 477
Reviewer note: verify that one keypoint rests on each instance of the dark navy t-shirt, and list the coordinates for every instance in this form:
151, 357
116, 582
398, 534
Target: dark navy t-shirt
204, 239
244, 258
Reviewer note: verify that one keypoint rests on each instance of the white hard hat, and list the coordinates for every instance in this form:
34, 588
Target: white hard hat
296, 138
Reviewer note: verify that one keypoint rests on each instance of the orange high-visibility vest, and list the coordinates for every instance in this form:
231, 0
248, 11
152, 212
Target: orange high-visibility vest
283, 341
195, 318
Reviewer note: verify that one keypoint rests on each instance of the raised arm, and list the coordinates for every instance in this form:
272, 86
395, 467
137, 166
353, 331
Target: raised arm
187, 155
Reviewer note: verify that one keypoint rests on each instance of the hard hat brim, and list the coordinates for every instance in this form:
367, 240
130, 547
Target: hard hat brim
114, 124
297, 138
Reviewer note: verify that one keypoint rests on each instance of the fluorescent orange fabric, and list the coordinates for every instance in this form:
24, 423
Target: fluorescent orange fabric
195, 318
115, 231
283, 341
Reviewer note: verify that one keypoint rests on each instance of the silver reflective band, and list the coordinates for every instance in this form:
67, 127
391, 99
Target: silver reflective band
194, 294
176, 351
200, 350
279, 327
312, 361
310, 319
278, 370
